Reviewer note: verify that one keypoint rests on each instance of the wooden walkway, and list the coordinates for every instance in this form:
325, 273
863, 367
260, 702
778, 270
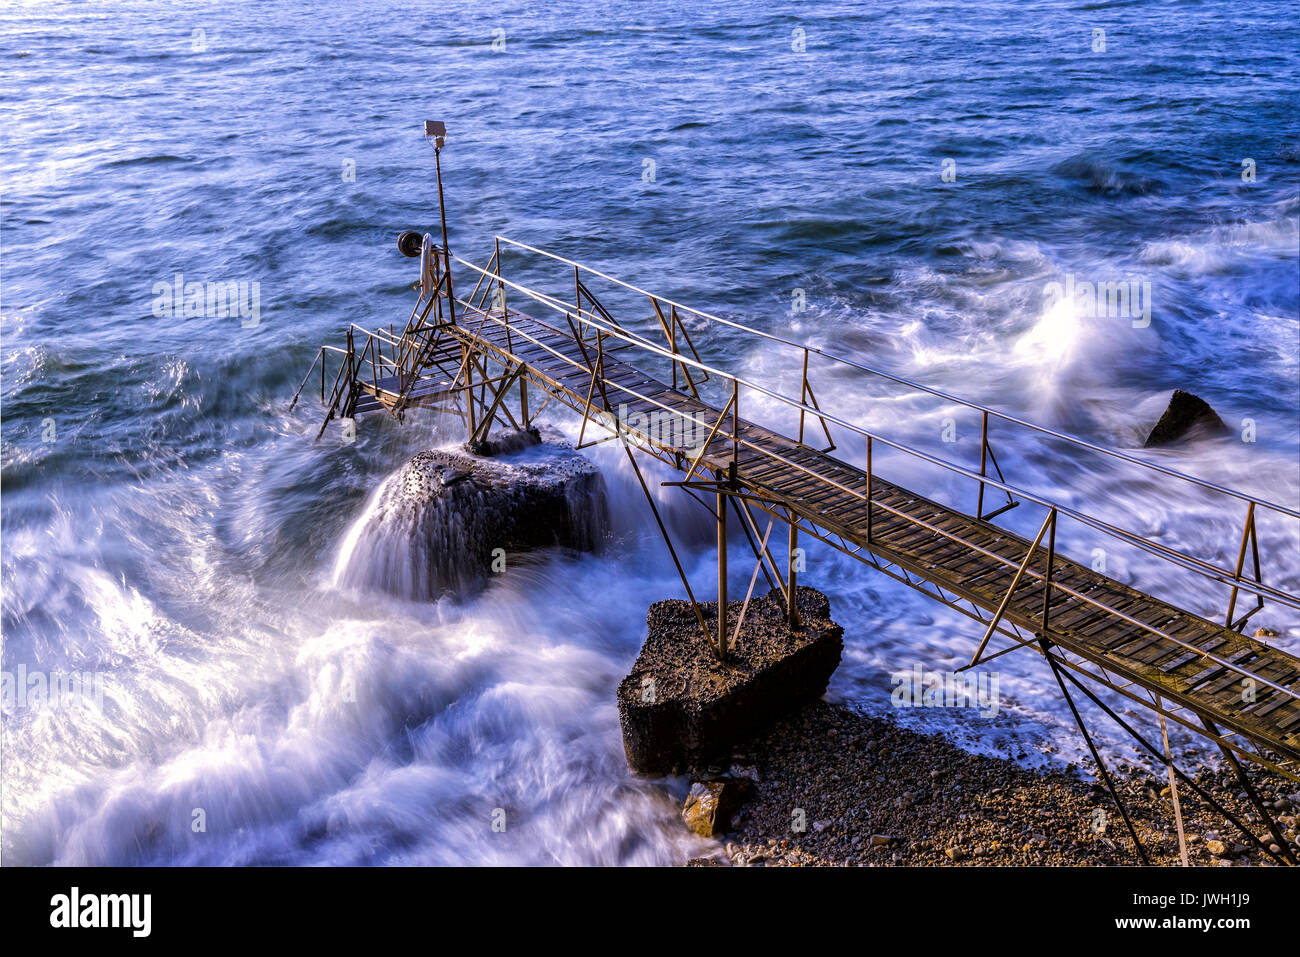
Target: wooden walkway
919, 535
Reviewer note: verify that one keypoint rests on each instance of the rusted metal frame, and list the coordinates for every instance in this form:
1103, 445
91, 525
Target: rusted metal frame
1047, 579
803, 394
876, 559
1248, 534
335, 393
986, 454
712, 432
830, 442
882, 563
663, 531
705, 505
871, 482
320, 358
1173, 787
1093, 601
468, 368
809, 398
948, 464
411, 325
735, 427
1177, 557
586, 368
470, 386
538, 342
670, 333
577, 299
914, 385
1096, 755
409, 334
586, 408
446, 251
751, 531
488, 383
588, 365
722, 569
1015, 583
601, 310
1174, 714
501, 290
507, 380
542, 408
1278, 837
792, 575
1190, 782
1020, 643
740, 619
488, 271
349, 383
676, 322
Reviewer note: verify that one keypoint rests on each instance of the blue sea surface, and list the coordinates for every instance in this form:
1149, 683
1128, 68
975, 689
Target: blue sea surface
915, 174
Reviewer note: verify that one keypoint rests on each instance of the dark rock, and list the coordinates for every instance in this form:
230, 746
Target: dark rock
450, 517
705, 862
1185, 413
681, 708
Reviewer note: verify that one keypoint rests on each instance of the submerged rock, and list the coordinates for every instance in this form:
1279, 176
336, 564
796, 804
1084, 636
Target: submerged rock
449, 518
681, 708
1184, 413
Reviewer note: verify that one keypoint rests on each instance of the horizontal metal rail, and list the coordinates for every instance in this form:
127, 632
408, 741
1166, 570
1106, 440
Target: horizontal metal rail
1190, 562
716, 431
946, 396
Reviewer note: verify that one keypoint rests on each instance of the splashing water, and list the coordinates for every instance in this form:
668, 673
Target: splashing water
168, 527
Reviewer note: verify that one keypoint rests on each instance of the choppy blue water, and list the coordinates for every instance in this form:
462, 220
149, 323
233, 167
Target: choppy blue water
167, 524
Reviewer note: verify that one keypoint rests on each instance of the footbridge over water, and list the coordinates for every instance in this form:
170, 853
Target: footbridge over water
640, 380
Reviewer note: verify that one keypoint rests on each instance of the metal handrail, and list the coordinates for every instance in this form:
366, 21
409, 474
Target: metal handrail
875, 504
852, 363
1190, 562
872, 503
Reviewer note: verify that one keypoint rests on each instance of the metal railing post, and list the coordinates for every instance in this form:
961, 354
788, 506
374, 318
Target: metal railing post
1047, 579
1241, 562
792, 574
735, 425
984, 451
803, 394
722, 569
870, 486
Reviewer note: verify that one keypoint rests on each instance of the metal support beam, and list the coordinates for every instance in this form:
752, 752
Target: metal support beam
792, 570
1263, 812
1096, 756
722, 570
1173, 787
1150, 749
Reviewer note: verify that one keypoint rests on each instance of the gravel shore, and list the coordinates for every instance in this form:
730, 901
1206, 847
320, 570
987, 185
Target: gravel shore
868, 792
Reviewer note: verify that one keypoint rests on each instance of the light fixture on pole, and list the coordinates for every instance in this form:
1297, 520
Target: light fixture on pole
435, 131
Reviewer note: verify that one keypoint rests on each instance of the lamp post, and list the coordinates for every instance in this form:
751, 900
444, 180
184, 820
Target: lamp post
436, 132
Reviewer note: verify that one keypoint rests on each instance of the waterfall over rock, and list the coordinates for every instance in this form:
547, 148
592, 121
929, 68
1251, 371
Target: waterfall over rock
448, 518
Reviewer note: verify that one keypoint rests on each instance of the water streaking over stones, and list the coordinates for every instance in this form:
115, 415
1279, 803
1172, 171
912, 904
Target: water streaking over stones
448, 518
